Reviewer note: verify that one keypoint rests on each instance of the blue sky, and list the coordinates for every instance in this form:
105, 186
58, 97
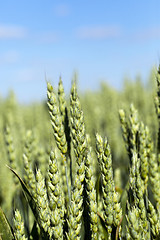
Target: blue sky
100, 40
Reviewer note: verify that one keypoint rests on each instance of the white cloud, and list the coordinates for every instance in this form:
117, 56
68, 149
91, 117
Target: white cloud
98, 32
62, 10
12, 32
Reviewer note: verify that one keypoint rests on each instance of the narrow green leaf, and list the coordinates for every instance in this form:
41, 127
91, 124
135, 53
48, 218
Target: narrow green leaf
104, 226
5, 229
31, 202
27, 194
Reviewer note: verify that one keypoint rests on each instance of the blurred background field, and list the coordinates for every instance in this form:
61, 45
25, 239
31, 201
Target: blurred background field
101, 115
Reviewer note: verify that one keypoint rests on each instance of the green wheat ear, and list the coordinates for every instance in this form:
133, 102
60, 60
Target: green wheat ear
75, 211
138, 193
56, 120
134, 227
111, 208
130, 129
19, 231
84, 172
91, 196
56, 198
43, 205
29, 176
61, 100
154, 177
154, 220
78, 131
143, 153
11, 150
60, 137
